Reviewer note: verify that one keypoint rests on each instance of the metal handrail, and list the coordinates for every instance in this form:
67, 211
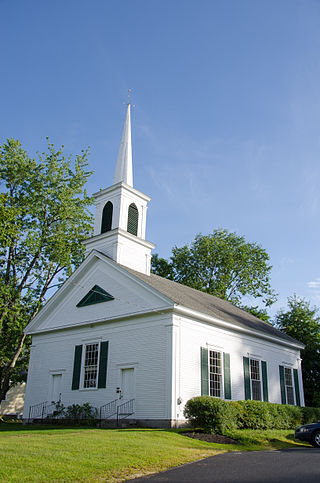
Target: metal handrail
37, 411
125, 409
42, 410
108, 410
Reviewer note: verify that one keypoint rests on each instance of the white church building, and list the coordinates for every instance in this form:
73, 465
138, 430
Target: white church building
138, 346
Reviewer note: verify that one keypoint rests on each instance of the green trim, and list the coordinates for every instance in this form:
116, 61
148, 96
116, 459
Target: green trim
296, 386
227, 376
76, 367
95, 296
103, 361
264, 380
246, 373
204, 372
282, 385
133, 216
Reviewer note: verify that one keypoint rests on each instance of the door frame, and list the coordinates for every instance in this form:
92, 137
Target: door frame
132, 365
54, 372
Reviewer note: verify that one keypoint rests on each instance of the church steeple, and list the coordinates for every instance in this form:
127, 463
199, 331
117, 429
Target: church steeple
121, 210
123, 170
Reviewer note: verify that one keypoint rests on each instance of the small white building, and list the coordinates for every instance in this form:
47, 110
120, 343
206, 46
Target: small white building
12, 405
131, 342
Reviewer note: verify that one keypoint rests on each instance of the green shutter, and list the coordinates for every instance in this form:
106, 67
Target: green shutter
133, 217
76, 367
296, 386
282, 386
246, 372
227, 377
265, 380
204, 372
102, 379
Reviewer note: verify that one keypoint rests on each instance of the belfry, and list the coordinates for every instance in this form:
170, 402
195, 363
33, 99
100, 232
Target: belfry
121, 211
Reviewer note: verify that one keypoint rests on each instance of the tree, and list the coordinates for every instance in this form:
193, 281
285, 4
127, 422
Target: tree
301, 321
43, 219
222, 264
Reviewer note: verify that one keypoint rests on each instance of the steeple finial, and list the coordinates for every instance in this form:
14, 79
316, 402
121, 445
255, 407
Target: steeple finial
123, 170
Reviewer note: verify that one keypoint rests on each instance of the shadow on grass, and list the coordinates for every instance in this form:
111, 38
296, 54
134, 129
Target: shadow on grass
39, 427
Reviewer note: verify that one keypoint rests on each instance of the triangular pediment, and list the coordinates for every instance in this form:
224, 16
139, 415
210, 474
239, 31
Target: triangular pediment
80, 300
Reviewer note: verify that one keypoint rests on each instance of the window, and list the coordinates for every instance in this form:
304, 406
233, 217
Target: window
106, 223
288, 385
255, 380
215, 373
133, 216
90, 367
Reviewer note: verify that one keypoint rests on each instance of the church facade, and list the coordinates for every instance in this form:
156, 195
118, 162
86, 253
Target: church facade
138, 346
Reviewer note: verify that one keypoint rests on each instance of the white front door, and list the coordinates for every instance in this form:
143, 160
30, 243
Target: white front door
55, 387
127, 383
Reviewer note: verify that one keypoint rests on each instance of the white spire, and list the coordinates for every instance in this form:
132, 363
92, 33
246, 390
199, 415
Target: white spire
123, 170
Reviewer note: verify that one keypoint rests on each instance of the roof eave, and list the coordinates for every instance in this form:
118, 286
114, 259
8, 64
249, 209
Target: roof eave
182, 310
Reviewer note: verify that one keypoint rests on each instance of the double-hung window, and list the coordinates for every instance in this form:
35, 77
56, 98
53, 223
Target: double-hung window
90, 366
215, 374
255, 379
289, 385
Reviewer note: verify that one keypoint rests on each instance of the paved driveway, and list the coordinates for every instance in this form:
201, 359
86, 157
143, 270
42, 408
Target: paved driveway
296, 465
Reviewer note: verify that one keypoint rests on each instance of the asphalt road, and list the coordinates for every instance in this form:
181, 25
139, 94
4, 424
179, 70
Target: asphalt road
296, 465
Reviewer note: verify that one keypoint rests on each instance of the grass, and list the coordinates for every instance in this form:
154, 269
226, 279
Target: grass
255, 440
36, 454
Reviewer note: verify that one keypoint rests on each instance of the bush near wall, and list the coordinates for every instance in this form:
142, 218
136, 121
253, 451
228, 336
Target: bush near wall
218, 416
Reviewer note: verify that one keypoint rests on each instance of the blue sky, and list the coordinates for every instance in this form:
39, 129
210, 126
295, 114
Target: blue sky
226, 128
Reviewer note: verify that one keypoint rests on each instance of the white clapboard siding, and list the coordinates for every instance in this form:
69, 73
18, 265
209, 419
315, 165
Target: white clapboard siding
191, 335
140, 343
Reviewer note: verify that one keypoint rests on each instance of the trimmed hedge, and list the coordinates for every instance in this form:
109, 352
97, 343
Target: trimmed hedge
218, 416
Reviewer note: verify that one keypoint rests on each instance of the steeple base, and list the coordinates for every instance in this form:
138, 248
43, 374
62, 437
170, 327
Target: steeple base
124, 248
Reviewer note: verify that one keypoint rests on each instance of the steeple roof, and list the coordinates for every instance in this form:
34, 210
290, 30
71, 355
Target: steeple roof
123, 170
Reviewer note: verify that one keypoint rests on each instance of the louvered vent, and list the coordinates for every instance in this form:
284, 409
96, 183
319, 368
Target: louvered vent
133, 216
95, 296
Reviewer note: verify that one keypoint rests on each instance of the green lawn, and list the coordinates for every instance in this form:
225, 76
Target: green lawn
33, 454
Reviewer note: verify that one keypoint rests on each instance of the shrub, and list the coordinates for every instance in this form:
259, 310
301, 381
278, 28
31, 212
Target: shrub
76, 412
295, 415
255, 415
213, 415
310, 415
218, 416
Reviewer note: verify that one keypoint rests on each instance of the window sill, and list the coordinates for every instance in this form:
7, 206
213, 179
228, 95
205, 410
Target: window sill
89, 389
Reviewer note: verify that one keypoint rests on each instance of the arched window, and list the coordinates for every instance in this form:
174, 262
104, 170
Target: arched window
106, 222
133, 216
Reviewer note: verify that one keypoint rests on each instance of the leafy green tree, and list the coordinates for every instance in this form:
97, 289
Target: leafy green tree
260, 313
43, 219
302, 322
222, 264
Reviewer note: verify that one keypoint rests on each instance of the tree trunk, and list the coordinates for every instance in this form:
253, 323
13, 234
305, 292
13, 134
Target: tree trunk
7, 371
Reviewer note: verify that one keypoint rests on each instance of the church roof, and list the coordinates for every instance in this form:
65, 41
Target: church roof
210, 305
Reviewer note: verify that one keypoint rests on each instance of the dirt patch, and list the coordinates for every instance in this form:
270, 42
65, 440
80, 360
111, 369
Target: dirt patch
210, 438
